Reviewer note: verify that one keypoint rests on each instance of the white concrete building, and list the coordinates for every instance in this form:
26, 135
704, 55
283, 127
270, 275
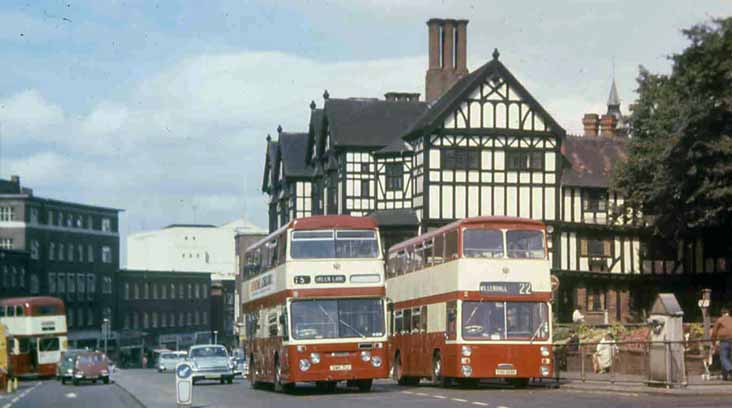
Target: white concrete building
189, 248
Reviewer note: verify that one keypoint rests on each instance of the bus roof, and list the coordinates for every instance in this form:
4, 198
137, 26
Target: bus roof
321, 222
32, 301
498, 221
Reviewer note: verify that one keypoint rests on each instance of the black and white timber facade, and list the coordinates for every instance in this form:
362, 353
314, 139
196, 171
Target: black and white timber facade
486, 146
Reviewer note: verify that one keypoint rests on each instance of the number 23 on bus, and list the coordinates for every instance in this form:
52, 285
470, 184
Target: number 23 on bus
471, 300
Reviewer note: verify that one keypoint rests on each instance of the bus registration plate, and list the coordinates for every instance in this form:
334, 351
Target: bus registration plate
340, 367
505, 371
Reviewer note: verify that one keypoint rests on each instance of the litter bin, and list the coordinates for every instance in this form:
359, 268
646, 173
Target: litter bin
666, 354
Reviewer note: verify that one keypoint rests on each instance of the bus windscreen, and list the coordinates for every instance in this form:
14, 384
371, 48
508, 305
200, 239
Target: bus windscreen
482, 243
334, 244
525, 244
505, 320
337, 318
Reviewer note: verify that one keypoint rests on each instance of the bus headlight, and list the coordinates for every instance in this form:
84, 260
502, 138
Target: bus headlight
544, 370
315, 358
304, 365
365, 356
467, 370
466, 351
376, 361
544, 351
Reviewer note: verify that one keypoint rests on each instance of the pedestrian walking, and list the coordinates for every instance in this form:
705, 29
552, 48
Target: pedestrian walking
722, 340
605, 354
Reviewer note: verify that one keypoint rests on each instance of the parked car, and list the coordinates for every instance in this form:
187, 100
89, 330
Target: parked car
65, 367
90, 366
211, 362
167, 361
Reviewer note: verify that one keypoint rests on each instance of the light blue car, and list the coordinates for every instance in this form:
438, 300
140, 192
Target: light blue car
211, 362
167, 361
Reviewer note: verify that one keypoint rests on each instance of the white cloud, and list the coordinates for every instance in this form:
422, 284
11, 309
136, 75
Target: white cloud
28, 112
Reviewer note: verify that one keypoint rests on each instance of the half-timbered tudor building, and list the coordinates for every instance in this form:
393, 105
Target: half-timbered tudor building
483, 145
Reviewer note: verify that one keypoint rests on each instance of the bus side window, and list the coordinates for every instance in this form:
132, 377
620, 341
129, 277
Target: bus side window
424, 319
438, 250
401, 262
407, 329
284, 324
390, 310
11, 311
2, 311
419, 256
24, 345
411, 260
451, 245
398, 322
427, 254
19, 310
451, 328
272, 326
282, 247
416, 319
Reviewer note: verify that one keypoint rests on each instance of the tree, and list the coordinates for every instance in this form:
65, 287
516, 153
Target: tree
679, 167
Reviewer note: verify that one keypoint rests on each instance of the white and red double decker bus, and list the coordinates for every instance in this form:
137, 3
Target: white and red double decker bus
313, 302
37, 326
471, 300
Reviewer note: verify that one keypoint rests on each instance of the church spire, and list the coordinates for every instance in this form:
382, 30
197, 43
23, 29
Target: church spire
613, 102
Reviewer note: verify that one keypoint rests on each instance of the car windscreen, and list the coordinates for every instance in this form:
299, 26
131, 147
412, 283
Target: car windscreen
313, 244
337, 318
200, 352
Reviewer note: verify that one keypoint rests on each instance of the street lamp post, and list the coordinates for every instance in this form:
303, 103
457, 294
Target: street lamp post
105, 332
215, 333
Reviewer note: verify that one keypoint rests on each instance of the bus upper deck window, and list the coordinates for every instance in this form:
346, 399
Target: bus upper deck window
451, 245
19, 310
482, 243
11, 311
525, 244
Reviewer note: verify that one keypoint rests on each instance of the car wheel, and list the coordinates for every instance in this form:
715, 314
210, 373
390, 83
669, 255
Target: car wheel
63, 381
105, 380
230, 380
278, 386
75, 381
437, 378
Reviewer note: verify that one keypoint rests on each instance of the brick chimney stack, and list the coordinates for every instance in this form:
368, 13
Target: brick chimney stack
591, 122
447, 43
608, 125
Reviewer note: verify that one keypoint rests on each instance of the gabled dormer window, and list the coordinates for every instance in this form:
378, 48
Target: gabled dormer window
595, 201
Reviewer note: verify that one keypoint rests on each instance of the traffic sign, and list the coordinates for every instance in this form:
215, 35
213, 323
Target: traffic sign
555, 282
184, 384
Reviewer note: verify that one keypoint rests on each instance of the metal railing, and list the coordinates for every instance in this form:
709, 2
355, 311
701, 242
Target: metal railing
650, 362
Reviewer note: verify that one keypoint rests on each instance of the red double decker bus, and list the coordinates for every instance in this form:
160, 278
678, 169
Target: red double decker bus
313, 303
38, 329
471, 300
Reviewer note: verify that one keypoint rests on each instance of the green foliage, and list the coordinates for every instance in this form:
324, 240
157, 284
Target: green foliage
679, 167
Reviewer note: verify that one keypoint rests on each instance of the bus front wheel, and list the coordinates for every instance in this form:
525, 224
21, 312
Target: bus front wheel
364, 385
399, 376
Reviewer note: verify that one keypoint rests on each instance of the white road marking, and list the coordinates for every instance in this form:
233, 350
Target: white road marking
440, 396
21, 395
501, 406
421, 394
71, 395
459, 400
482, 404
407, 392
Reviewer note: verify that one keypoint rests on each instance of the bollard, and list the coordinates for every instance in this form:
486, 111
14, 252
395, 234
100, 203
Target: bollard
184, 384
9, 386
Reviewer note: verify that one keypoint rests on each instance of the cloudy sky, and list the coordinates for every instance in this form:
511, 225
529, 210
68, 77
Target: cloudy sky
162, 108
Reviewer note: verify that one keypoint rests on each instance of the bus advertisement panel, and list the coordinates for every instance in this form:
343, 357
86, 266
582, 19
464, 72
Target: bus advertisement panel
471, 300
313, 304
38, 329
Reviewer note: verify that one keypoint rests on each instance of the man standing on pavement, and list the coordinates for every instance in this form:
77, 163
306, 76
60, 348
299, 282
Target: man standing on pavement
722, 333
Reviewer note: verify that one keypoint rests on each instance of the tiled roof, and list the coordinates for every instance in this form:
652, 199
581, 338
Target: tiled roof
369, 122
592, 159
293, 148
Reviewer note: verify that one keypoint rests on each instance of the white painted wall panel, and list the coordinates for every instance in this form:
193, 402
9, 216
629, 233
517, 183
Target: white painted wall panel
473, 201
511, 200
550, 203
500, 208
